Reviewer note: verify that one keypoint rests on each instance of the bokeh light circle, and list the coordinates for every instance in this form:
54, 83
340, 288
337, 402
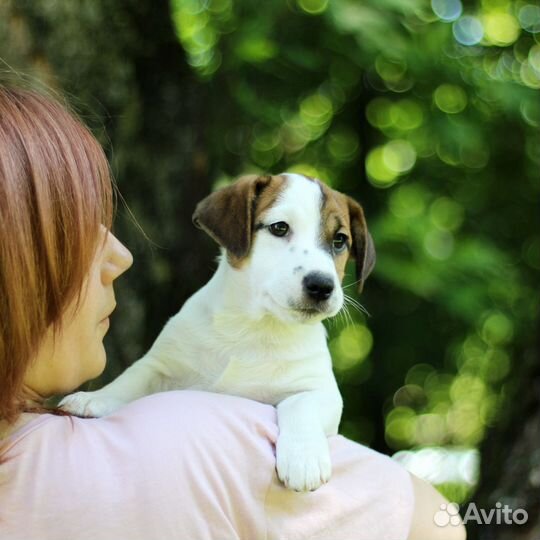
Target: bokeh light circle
384, 164
313, 7
447, 10
500, 28
377, 171
529, 18
468, 30
399, 156
450, 98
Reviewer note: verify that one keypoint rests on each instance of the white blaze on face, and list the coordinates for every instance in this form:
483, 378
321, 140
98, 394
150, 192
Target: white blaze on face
278, 265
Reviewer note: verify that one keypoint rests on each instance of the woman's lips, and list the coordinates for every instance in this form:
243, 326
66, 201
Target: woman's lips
105, 319
105, 323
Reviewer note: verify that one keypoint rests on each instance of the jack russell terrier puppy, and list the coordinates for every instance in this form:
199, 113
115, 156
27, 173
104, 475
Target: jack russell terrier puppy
255, 330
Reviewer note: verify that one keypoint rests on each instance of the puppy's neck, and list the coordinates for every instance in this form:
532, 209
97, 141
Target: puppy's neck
233, 303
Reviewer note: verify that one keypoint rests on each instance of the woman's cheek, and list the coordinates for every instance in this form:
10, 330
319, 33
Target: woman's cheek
96, 360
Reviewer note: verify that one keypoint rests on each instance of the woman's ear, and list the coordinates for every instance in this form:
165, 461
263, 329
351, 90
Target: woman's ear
227, 214
363, 249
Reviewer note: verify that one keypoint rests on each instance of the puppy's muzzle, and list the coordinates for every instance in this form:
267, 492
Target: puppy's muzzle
318, 286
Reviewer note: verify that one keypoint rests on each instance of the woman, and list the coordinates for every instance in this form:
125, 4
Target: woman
173, 465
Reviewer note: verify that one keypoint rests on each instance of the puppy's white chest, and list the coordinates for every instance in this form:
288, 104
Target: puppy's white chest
263, 379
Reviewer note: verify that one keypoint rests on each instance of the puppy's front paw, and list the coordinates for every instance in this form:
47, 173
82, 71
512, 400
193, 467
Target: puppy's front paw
90, 404
303, 462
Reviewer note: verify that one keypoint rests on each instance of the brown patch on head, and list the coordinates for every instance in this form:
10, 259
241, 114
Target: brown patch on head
229, 215
342, 214
268, 196
335, 219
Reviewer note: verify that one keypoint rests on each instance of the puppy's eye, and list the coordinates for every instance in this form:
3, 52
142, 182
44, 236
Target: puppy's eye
340, 242
279, 229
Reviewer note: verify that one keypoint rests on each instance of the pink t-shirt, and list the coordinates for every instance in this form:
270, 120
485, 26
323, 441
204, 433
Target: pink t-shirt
188, 466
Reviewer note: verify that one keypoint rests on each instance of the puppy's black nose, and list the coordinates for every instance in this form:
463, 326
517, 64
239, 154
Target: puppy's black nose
318, 286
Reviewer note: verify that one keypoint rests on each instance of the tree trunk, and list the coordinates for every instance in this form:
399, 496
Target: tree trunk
510, 467
121, 65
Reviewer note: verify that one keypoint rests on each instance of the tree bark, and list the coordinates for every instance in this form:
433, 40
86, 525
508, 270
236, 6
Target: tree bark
121, 65
510, 466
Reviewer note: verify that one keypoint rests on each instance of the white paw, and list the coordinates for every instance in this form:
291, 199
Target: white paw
90, 404
303, 462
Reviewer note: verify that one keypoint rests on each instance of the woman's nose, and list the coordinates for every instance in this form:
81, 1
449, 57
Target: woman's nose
117, 260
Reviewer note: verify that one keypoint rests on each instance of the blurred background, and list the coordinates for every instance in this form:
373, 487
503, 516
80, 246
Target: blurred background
427, 112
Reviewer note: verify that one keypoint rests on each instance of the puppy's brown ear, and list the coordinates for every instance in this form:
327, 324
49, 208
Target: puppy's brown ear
363, 249
227, 214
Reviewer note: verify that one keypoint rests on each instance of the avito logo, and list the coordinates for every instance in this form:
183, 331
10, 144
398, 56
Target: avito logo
501, 514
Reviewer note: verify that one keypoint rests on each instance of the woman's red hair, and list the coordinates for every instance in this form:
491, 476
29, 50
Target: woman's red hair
55, 191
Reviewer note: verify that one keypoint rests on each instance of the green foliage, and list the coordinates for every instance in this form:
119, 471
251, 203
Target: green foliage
426, 112
455, 492
429, 114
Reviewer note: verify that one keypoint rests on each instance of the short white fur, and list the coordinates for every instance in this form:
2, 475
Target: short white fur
241, 335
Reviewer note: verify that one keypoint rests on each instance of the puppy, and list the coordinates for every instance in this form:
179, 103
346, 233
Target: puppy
255, 329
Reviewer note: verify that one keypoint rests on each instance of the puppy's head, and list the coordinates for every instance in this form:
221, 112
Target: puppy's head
290, 236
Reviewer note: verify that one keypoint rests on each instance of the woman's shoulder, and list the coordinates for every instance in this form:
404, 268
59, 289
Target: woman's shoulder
188, 464
191, 416
194, 418
153, 421
181, 457
191, 405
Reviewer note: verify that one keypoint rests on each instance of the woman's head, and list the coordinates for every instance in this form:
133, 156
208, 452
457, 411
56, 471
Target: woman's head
57, 258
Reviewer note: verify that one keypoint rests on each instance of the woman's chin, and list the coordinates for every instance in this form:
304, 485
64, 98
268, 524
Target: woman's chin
94, 365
